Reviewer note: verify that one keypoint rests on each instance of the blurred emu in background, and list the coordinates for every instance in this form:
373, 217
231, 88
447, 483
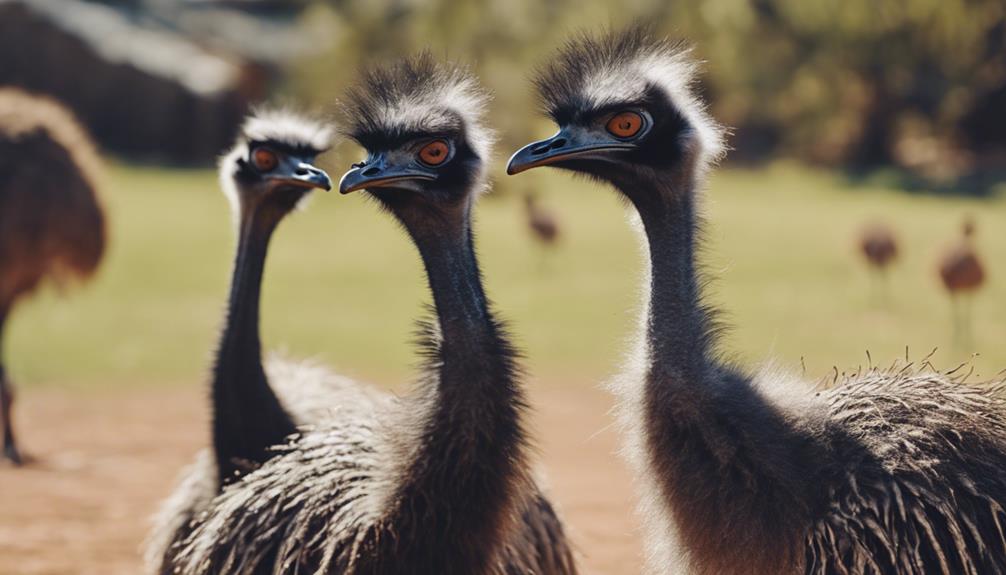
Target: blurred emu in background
963, 274
880, 248
152, 80
51, 222
543, 226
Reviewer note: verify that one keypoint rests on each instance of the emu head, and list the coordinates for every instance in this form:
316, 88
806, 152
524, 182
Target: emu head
271, 166
421, 123
626, 112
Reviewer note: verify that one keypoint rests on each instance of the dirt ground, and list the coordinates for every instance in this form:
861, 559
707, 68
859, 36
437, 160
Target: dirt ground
104, 460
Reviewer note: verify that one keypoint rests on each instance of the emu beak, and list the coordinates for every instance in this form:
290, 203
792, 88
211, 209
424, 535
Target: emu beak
568, 144
303, 175
377, 172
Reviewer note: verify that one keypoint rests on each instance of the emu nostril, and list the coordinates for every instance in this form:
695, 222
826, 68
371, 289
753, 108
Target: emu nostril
549, 146
371, 172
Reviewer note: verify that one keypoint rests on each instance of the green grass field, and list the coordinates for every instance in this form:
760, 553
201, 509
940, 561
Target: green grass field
344, 285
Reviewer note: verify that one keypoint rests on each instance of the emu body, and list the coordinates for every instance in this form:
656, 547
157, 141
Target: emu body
898, 471
543, 224
52, 225
963, 274
436, 481
879, 247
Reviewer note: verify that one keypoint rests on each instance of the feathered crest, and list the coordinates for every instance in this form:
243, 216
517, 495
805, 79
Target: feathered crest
596, 70
286, 127
417, 95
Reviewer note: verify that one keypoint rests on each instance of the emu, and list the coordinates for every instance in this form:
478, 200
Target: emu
879, 247
891, 471
542, 223
52, 224
963, 273
266, 175
436, 481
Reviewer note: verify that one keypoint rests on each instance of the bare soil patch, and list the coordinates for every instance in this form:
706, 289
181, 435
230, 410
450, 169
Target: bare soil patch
104, 460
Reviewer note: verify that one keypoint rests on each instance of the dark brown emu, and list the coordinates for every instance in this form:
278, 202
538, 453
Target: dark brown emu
879, 247
266, 175
896, 471
436, 481
52, 225
541, 222
963, 274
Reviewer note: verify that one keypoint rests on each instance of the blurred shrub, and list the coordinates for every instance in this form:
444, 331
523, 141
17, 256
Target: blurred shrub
919, 84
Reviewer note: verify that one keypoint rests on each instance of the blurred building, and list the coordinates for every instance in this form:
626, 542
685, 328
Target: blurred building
152, 79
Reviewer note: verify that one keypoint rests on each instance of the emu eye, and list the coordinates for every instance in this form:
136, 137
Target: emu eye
625, 124
265, 159
434, 153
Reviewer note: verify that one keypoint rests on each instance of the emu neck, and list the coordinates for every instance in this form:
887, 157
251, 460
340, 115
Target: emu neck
729, 466
456, 284
460, 488
247, 416
678, 326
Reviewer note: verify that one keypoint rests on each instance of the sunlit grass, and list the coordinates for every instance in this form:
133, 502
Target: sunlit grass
343, 284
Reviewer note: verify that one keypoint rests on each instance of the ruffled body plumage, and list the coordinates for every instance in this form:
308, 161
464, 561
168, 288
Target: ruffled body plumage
309, 392
316, 506
919, 484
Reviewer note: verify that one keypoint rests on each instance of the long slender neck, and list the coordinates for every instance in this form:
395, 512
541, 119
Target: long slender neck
247, 416
725, 460
463, 314
458, 492
678, 326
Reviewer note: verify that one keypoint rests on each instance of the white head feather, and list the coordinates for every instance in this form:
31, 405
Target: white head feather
271, 125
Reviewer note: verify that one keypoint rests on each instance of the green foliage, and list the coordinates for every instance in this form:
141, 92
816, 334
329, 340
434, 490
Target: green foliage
849, 80
835, 81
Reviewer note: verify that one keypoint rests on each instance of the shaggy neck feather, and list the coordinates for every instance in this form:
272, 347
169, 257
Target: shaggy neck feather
724, 459
678, 326
458, 493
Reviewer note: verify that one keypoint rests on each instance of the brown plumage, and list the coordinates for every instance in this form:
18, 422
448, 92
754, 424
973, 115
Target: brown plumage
960, 267
880, 248
878, 245
51, 222
963, 274
543, 224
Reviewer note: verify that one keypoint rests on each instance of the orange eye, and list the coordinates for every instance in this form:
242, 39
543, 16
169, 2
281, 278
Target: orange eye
265, 159
625, 124
434, 153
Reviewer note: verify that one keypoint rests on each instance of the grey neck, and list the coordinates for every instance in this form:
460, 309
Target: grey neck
456, 283
248, 418
678, 328
459, 488
709, 433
